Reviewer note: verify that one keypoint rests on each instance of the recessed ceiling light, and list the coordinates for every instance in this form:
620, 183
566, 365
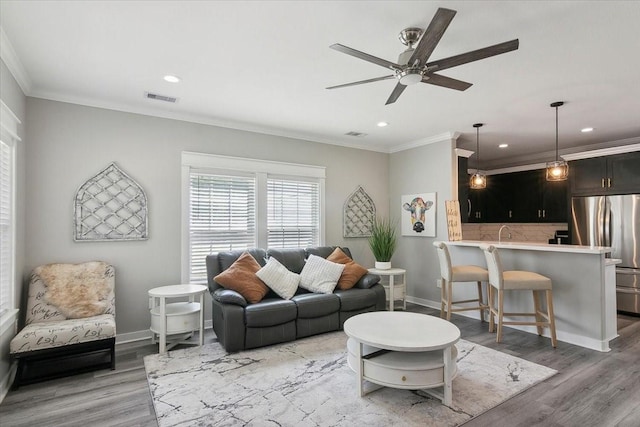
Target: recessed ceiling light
503, 145
585, 130
382, 124
172, 79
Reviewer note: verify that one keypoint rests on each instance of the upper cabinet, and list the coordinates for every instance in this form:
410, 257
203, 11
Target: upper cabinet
517, 197
617, 174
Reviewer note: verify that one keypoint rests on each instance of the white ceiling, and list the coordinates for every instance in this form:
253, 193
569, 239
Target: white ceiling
264, 66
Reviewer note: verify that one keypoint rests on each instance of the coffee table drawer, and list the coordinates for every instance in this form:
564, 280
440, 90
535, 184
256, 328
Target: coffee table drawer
410, 370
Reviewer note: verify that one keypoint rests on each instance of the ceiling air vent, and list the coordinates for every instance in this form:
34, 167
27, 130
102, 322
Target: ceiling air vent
356, 134
160, 97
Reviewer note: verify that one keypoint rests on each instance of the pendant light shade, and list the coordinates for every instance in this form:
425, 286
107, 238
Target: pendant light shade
478, 180
557, 170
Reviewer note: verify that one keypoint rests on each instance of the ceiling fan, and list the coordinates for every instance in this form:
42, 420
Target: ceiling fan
412, 66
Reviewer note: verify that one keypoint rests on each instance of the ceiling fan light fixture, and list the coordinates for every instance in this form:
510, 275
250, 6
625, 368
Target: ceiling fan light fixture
410, 76
478, 180
557, 170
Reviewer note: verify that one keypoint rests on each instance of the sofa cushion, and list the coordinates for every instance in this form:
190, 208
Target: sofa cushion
321, 251
241, 277
58, 333
293, 259
316, 305
352, 271
276, 276
356, 299
270, 312
320, 275
227, 258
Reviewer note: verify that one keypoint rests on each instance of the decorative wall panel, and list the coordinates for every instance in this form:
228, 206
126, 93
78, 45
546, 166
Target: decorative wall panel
359, 214
110, 206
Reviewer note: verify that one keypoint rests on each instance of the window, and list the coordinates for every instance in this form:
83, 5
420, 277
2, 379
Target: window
232, 203
293, 213
222, 217
8, 138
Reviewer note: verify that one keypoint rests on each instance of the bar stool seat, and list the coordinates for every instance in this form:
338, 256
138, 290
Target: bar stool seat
517, 280
458, 273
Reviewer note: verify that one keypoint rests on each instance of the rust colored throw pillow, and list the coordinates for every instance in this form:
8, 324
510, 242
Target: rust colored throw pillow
241, 277
352, 271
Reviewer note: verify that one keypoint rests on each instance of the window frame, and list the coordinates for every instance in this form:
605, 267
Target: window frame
262, 170
9, 135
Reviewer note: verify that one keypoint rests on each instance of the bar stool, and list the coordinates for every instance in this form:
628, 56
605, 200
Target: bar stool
500, 281
458, 273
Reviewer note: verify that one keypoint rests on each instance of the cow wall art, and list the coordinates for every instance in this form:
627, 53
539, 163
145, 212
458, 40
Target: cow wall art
418, 213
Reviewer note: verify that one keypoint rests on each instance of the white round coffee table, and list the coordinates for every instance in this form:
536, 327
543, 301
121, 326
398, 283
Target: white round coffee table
403, 350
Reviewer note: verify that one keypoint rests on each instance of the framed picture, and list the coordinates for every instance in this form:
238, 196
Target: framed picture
418, 215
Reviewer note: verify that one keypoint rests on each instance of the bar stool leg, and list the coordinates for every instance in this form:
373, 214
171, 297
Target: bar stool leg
500, 314
480, 301
490, 298
537, 310
552, 319
443, 297
449, 298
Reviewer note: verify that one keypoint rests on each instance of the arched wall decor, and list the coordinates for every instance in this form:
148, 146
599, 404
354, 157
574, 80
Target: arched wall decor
110, 206
359, 214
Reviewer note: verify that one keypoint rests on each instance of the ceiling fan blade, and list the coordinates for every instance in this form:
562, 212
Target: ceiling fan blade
363, 82
369, 58
432, 36
438, 80
395, 94
474, 55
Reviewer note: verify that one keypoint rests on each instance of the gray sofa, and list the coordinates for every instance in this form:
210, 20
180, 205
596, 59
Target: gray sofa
240, 325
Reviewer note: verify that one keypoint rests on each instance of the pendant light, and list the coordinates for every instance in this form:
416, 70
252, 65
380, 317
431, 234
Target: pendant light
478, 180
559, 169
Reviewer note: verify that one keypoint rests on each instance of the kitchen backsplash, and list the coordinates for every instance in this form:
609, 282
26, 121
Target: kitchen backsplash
539, 233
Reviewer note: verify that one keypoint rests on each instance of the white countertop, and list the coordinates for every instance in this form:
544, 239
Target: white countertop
531, 246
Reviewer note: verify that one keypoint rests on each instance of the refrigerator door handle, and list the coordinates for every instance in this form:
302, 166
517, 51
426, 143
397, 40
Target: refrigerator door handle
607, 222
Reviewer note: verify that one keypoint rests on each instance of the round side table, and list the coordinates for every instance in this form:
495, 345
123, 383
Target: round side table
401, 285
173, 323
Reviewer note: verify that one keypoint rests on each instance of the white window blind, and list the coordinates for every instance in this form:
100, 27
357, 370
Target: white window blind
6, 231
293, 213
222, 217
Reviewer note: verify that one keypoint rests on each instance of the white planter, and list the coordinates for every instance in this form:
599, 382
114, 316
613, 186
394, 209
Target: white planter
383, 265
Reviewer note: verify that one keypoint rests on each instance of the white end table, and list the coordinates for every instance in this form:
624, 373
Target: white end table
171, 319
403, 350
401, 284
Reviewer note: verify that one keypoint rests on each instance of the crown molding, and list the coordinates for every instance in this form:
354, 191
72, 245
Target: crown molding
13, 63
193, 118
461, 152
446, 136
622, 146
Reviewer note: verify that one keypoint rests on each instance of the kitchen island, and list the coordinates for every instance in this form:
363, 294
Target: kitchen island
584, 286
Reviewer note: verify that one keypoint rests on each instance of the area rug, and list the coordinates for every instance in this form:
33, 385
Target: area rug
308, 383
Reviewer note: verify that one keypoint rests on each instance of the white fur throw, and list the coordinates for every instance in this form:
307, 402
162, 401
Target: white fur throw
77, 290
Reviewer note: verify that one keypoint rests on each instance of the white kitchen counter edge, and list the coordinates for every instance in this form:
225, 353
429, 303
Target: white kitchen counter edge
529, 246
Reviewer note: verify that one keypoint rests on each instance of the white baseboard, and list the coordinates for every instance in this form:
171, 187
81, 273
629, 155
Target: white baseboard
146, 334
5, 385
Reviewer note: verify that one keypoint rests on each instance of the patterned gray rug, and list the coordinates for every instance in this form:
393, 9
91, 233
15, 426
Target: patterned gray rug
308, 383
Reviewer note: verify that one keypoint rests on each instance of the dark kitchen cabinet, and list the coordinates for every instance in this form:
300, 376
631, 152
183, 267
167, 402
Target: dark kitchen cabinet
523, 197
617, 174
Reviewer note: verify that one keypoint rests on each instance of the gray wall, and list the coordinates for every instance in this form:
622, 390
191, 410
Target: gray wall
69, 143
13, 97
425, 169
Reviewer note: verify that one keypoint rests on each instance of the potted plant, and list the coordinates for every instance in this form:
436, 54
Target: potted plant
383, 242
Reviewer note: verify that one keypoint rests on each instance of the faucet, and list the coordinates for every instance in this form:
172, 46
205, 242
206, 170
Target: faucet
500, 233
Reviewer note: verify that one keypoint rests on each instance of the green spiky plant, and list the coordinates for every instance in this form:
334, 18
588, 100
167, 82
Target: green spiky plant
383, 239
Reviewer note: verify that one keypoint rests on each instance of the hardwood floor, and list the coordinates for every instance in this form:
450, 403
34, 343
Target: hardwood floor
590, 389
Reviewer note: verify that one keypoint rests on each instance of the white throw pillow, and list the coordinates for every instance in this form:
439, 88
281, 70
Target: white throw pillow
277, 277
319, 275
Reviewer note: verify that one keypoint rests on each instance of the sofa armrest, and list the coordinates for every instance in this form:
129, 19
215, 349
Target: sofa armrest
227, 296
367, 281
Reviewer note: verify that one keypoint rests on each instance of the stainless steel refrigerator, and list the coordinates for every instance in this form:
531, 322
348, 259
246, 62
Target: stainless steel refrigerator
613, 221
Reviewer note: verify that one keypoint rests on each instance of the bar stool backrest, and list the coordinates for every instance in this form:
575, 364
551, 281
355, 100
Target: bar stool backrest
494, 265
445, 260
